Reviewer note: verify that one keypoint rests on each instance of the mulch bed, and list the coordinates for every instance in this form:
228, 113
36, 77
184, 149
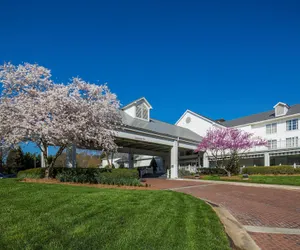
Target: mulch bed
54, 181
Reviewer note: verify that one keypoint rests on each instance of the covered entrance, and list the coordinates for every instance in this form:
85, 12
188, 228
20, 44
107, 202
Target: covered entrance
142, 135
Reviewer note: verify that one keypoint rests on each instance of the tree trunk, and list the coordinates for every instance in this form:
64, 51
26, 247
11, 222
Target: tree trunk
45, 154
228, 172
50, 166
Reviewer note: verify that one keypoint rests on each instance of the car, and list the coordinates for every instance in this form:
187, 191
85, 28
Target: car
4, 176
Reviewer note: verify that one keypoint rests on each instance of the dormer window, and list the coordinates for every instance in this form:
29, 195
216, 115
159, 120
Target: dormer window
142, 111
138, 109
281, 109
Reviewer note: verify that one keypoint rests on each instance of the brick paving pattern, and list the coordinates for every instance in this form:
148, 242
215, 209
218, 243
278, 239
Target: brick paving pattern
276, 241
255, 206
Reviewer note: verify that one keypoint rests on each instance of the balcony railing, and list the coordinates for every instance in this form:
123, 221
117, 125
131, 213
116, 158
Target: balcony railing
279, 144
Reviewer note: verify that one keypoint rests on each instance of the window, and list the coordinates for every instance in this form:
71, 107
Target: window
292, 142
292, 124
271, 128
142, 111
272, 144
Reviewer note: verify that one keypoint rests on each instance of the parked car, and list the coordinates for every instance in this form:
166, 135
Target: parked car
4, 176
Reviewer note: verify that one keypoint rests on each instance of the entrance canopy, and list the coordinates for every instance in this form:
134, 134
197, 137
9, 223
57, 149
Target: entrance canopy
142, 135
156, 132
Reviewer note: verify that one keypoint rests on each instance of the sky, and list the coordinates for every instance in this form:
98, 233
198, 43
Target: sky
222, 59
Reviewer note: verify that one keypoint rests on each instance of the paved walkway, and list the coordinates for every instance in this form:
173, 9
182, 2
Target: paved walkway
270, 215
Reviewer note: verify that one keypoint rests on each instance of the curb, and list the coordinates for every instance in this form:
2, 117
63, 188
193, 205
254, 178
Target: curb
284, 187
235, 230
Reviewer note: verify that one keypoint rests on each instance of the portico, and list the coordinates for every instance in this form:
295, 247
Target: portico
142, 135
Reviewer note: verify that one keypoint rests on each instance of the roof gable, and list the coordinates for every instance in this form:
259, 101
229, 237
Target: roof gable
138, 101
281, 104
199, 116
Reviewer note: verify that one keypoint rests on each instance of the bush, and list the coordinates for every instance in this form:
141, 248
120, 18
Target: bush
110, 166
119, 177
212, 171
34, 173
182, 172
87, 175
271, 170
81, 175
126, 173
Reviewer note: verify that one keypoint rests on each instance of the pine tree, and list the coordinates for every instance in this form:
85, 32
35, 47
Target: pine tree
15, 160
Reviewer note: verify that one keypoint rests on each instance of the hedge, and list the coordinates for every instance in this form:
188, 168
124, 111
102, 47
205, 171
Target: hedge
271, 170
86, 175
212, 171
33, 173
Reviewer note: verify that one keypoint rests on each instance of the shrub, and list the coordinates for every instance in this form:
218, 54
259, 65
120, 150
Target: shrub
87, 175
81, 175
126, 173
110, 166
101, 176
271, 170
119, 177
34, 173
212, 171
182, 172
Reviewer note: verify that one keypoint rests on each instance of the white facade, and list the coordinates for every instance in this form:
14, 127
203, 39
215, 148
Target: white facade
278, 132
174, 145
281, 131
195, 122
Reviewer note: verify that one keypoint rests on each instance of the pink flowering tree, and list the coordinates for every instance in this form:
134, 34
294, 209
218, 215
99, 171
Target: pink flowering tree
229, 144
34, 108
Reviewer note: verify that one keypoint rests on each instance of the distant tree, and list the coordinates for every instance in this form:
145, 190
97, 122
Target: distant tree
4, 150
29, 160
15, 160
34, 108
228, 143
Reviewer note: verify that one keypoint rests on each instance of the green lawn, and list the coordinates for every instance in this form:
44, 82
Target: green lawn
45, 216
265, 179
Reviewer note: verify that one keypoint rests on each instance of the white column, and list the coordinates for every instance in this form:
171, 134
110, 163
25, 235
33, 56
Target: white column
267, 159
174, 160
205, 161
71, 156
130, 160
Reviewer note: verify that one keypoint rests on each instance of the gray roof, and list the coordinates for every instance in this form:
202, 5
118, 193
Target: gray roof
294, 109
160, 127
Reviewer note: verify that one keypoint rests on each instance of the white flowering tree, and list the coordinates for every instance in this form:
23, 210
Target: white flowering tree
34, 108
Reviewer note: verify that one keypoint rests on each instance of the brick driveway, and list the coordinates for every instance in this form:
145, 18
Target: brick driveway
251, 206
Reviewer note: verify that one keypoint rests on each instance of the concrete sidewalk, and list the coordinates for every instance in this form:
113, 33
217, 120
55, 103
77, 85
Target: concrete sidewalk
286, 187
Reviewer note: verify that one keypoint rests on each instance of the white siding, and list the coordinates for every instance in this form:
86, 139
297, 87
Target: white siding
280, 135
196, 123
131, 110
